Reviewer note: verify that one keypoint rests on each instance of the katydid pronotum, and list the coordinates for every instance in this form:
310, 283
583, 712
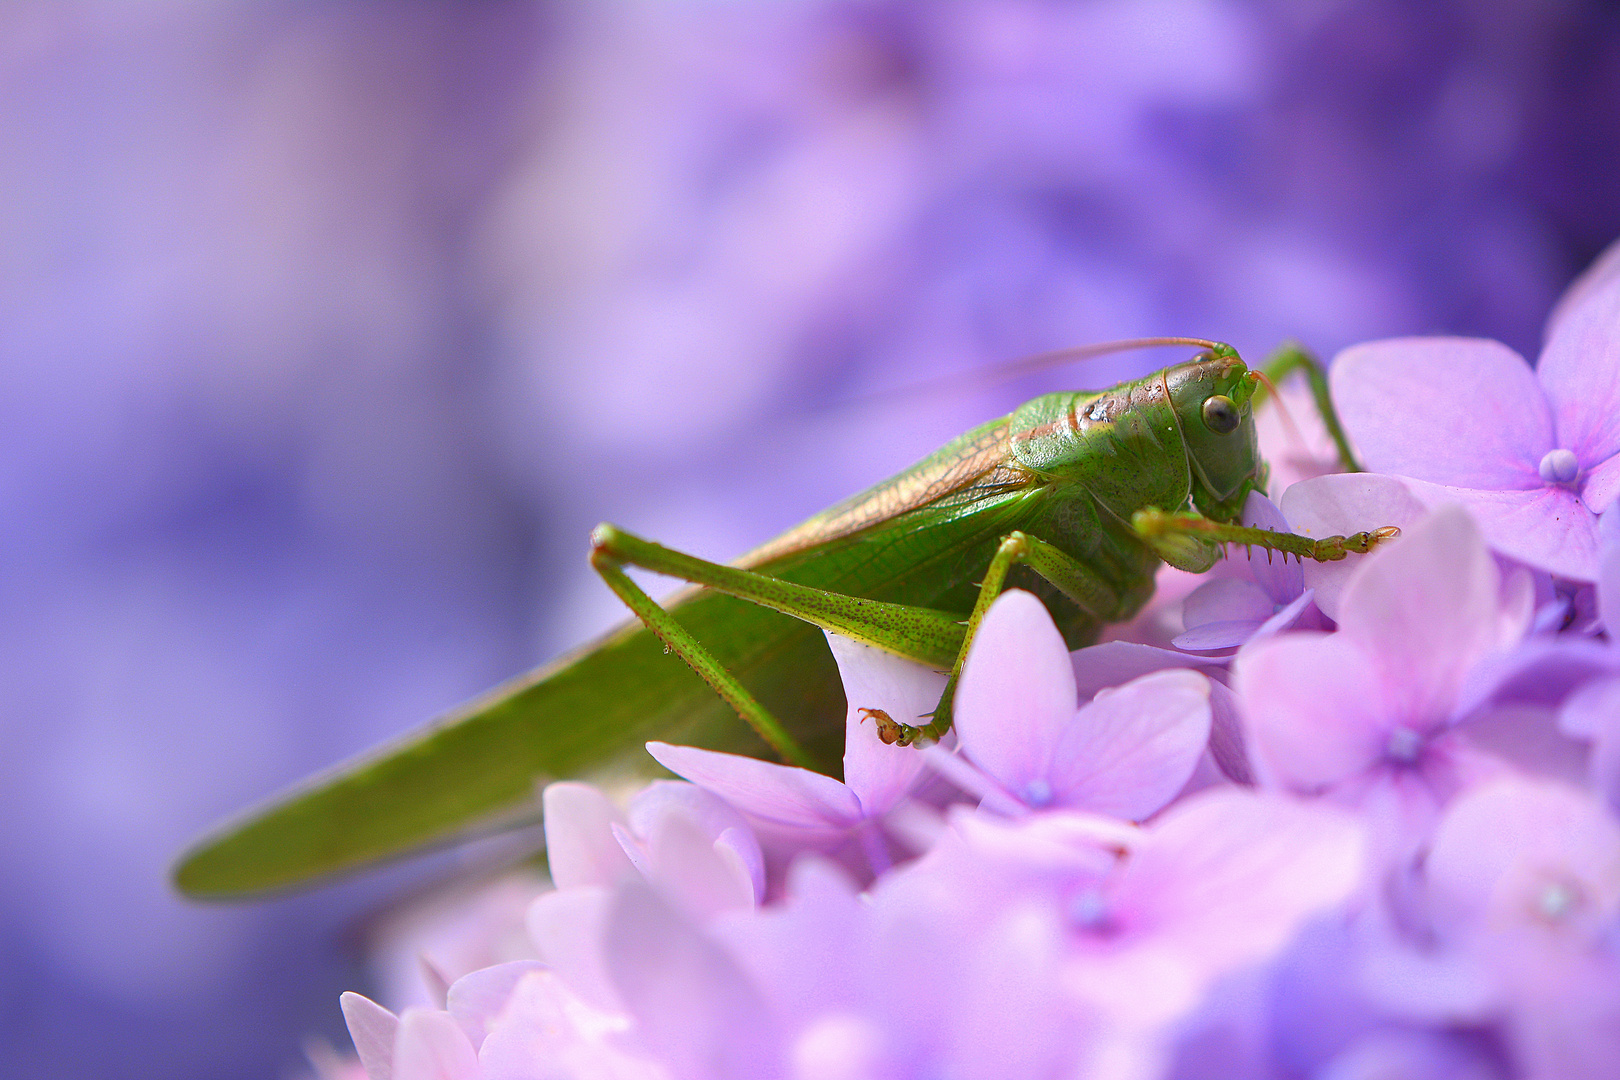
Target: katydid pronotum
1075, 496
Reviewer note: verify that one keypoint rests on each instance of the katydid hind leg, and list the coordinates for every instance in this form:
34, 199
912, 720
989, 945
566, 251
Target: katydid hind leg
921, 634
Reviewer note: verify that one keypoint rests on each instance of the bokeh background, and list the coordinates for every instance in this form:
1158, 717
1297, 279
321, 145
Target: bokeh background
329, 329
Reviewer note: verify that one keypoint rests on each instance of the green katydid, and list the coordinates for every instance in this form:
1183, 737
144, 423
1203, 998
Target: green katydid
1074, 496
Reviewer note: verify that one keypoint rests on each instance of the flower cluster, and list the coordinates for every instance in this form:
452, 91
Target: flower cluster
1360, 822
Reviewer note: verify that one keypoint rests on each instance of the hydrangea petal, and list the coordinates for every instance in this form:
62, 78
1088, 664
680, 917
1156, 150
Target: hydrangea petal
1017, 692
1579, 371
1310, 702
549, 1032
1461, 411
568, 928
1130, 750
431, 1046
779, 793
705, 876
580, 849
1227, 600
694, 1006
373, 1030
1501, 844
1216, 635
881, 775
1601, 484
1339, 505
478, 998
1604, 270
1115, 663
1232, 872
1548, 528
1425, 611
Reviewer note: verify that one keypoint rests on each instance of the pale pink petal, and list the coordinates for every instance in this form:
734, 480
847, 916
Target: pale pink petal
569, 931
1580, 373
1506, 849
1604, 270
1130, 750
1287, 617
1592, 713
1230, 874
881, 775
1548, 528
1341, 505
1017, 692
1600, 484
1115, 663
1313, 710
707, 810
694, 1006
1227, 600
373, 1029
1226, 743
778, 793
477, 998
1217, 636
1608, 583
692, 868
1425, 611
548, 1033
1460, 411
580, 849
431, 1046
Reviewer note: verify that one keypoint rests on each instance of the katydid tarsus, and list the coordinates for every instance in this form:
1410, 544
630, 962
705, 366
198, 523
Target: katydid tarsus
1075, 496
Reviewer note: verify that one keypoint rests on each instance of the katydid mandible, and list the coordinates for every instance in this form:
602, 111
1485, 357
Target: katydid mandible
1075, 496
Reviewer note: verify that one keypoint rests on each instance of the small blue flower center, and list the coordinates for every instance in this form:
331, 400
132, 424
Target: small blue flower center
1404, 745
1560, 467
1090, 910
1037, 793
1558, 900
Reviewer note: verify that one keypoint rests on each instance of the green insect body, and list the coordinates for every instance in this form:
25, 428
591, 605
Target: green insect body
1092, 490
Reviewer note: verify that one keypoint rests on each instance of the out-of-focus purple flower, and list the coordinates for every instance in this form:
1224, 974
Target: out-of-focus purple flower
1144, 920
1260, 597
1126, 752
502, 1023
1367, 713
1532, 454
795, 810
1523, 881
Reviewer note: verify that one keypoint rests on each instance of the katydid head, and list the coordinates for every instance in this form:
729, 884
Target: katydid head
1212, 394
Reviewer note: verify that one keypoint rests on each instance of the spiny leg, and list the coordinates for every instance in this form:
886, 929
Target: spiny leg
916, 633
1071, 577
1158, 527
1291, 357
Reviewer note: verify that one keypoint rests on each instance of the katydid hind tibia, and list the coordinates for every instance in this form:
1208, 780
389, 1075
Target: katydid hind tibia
1076, 497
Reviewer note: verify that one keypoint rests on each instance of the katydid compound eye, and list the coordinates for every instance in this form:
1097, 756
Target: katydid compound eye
1220, 414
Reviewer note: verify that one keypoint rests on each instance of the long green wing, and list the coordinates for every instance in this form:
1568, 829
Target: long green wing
594, 710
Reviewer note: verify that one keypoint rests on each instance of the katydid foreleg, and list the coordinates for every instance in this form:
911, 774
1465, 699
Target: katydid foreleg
1161, 530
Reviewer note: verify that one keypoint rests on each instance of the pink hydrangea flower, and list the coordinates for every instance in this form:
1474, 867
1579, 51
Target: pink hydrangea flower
1531, 453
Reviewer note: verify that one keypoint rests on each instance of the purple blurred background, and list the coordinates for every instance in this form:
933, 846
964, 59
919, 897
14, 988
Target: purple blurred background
330, 329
